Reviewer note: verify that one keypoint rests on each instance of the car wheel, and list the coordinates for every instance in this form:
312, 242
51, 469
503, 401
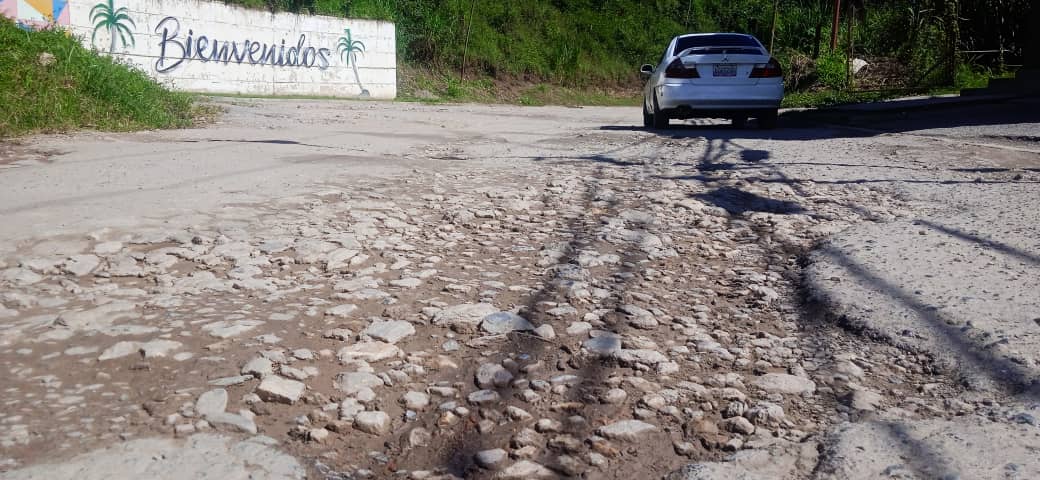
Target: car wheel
739, 122
660, 117
648, 119
768, 120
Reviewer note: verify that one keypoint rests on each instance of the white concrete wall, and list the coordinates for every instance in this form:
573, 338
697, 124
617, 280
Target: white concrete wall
376, 67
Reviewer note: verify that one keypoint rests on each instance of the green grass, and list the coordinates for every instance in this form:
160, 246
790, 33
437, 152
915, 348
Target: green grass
543, 94
439, 87
972, 76
968, 76
825, 98
426, 86
78, 88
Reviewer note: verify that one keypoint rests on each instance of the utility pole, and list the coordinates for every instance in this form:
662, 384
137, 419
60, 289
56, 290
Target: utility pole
772, 34
689, 8
835, 25
1000, 37
1031, 51
819, 17
469, 28
850, 51
953, 35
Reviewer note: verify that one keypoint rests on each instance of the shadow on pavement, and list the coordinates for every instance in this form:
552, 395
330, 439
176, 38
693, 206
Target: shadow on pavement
721, 142
991, 244
593, 371
854, 181
797, 125
975, 357
738, 202
923, 460
269, 142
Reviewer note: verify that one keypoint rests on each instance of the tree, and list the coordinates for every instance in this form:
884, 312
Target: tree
1032, 50
348, 51
105, 15
951, 25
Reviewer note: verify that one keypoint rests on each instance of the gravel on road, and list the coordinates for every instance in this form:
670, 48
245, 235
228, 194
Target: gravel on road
374, 290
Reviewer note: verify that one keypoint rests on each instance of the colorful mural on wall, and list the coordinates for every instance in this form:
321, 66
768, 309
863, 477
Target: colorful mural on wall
208, 46
36, 13
107, 16
349, 50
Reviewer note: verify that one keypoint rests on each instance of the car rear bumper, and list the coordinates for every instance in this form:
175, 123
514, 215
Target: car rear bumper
718, 98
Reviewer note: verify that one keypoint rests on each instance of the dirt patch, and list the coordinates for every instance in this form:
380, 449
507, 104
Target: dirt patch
14, 153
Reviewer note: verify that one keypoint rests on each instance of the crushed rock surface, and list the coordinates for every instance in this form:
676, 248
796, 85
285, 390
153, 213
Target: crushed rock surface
489, 292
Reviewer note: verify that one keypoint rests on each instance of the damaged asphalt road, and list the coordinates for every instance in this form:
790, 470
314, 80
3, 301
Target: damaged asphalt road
371, 290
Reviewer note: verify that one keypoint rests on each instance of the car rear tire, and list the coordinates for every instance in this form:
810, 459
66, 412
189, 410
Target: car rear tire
660, 117
648, 119
739, 122
768, 120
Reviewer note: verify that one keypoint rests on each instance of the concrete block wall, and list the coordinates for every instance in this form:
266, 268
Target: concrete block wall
205, 46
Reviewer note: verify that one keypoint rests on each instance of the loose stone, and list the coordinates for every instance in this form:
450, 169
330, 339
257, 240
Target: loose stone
525, 470
417, 401
369, 351
784, 383
504, 322
483, 397
492, 375
389, 331
491, 459
213, 401
282, 390
258, 367
375, 423
353, 382
628, 430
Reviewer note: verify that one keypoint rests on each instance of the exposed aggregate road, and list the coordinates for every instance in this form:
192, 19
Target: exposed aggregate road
365, 290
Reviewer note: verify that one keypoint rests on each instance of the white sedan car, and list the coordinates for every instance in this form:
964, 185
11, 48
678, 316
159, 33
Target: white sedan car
713, 75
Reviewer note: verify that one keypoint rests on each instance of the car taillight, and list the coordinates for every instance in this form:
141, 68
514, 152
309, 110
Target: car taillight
768, 70
677, 69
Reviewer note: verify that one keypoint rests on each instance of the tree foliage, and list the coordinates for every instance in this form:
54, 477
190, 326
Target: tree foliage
575, 41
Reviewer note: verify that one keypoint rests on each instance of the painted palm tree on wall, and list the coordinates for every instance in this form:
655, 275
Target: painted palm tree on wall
107, 16
348, 50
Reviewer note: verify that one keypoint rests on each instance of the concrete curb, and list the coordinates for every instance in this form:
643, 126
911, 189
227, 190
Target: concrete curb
896, 106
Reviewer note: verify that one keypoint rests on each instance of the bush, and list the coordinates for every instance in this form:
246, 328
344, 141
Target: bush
832, 70
799, 69
372, 9
50, 82
977, 76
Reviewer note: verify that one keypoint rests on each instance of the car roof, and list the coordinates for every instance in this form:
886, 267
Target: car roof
707, 34
686, 35
713, 33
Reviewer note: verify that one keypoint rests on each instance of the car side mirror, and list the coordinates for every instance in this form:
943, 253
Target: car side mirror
647, 70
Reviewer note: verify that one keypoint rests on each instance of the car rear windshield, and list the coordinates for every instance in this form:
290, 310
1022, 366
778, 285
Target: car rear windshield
717, 43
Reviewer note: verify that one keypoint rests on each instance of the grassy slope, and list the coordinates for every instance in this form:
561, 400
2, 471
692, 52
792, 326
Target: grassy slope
433, 86
77, 89
572, 43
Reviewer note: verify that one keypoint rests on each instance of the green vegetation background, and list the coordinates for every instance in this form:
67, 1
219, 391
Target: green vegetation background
601, 43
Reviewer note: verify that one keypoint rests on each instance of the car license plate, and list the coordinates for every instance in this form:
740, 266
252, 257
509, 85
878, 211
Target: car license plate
723, 70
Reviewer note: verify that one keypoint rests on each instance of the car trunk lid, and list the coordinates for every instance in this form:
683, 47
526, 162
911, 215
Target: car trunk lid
723, 67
